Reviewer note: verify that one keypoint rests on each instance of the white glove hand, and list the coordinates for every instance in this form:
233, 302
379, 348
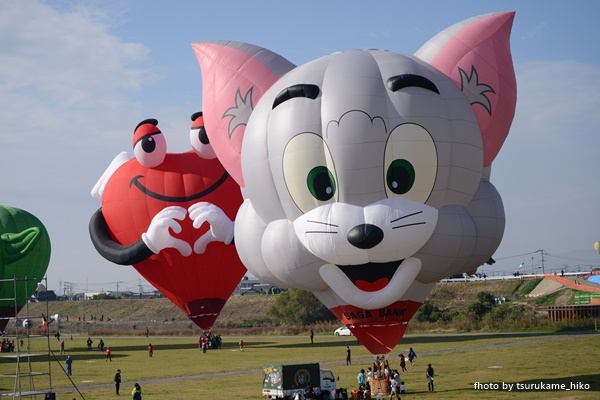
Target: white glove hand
221, 227
158, 237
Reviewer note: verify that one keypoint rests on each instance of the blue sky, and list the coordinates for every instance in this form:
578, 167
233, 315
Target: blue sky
77, 76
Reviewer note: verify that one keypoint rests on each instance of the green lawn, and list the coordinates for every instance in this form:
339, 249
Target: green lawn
459, 362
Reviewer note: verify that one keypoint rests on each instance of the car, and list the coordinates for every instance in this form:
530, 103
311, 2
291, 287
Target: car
342, 331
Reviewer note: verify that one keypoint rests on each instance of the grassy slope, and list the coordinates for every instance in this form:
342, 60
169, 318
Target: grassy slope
160, 313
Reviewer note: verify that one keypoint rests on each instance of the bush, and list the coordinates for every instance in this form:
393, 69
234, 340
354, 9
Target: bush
486, 298
431, 313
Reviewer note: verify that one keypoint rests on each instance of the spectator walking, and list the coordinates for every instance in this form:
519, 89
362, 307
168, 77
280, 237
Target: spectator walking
108, 355
312, 336
241, 344
69, 362
89, 343
429, 374
62, 347
411, 356
402, 362
117, 381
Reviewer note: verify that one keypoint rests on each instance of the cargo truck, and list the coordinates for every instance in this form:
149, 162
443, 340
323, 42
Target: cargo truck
284, 381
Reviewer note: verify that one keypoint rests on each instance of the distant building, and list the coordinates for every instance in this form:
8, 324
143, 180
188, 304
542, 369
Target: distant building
46, 295
253, 286
150, 294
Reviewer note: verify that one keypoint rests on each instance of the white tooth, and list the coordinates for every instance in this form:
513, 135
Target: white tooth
392, 292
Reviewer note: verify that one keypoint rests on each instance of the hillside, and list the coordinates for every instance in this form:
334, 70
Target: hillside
250, 312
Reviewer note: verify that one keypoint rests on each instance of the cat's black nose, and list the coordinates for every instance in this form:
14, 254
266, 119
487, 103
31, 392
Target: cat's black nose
365, 236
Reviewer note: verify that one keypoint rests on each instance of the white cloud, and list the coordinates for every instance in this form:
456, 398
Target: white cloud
61, 70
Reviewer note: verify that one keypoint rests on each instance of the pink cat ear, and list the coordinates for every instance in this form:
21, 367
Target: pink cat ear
234, 77
475, 54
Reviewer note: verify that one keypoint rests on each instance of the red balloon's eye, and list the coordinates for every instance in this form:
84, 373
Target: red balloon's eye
150, 150
200, 143
199, 138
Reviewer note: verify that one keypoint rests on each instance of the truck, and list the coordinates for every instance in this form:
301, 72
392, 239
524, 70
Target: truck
284, 381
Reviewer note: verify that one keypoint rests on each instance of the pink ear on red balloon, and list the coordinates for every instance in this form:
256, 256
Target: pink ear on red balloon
235, 76
475, 54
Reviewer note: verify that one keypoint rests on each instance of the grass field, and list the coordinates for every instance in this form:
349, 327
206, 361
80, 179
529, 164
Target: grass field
178, 370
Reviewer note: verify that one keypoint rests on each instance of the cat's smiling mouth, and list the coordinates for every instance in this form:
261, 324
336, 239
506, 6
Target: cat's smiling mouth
371, 277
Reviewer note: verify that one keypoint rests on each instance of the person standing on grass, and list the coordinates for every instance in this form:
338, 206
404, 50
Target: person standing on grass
312, 336
394, 385
241, 344
108, 355
361, 378
429, 374
117, 381
411, 356
348, 356
69, 362
62, 347
136, 393
150, 350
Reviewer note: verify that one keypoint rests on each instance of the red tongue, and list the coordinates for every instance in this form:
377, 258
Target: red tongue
372, 286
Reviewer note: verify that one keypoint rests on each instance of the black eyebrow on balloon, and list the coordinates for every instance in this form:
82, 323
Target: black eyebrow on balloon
399, 82
300, 90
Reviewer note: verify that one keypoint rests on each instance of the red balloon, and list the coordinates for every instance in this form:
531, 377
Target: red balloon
199, 284
381, 329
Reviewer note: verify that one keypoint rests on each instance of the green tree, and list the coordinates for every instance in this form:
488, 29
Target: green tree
477, 309
486, 298
103, 296
297, 306
428, 312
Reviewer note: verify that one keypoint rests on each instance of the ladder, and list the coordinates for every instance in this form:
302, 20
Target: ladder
22, 335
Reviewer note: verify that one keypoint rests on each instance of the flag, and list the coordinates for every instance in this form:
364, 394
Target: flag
44, 324
521, 266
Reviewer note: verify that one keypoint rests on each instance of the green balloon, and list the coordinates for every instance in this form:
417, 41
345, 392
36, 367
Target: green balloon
24, 253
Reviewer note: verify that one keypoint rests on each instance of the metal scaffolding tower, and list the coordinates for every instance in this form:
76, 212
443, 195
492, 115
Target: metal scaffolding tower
23, 337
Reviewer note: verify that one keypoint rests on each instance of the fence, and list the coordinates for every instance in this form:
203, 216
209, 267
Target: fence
581, 311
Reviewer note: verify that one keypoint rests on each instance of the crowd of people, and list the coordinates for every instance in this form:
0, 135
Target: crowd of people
8, 346
380, 379
208, 341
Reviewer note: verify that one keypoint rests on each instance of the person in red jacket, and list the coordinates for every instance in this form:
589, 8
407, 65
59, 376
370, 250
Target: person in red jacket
150, 352
108, 356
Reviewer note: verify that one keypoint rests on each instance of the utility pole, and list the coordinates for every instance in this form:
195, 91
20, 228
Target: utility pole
542, 252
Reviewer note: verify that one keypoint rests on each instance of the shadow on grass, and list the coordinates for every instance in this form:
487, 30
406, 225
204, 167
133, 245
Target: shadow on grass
469, 337
433, 338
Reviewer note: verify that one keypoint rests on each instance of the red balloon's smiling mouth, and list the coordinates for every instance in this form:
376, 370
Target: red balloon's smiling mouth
135, 181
